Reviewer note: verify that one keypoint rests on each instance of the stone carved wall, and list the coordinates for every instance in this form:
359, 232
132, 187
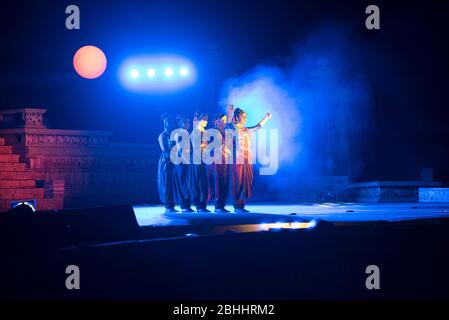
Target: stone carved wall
117, 174
387, 194
63, 140
34, 120
388, 191
94, 171
44, 161
434, 194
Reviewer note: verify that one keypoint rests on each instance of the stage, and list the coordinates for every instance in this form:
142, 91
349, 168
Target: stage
154, 216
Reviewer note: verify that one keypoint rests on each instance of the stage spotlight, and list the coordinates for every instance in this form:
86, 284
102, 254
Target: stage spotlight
278, 225
183, 71
191, 235
157, 73
312, 224
151, 72
296, 225
168, 72
23, 206
134, 73
287, 225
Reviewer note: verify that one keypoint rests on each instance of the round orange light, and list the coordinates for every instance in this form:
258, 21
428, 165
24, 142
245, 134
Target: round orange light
89, 62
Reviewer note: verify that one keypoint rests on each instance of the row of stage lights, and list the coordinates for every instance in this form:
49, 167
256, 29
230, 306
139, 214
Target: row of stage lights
157, 73
136, 73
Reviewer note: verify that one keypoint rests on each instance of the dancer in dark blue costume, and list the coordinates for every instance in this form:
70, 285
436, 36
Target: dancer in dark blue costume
219, 174
198, 178
182, 172
166, 167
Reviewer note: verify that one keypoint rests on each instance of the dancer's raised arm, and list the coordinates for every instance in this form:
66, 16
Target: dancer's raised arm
261, 123
229, 113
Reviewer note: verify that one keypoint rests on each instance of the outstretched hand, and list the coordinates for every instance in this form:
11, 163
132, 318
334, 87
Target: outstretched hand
268, 115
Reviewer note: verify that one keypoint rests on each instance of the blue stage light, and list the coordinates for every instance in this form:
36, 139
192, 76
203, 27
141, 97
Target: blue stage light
157, 73
29, 203
151, 73
183, 71
168, 72
278, 225
312, 224
295, 225
134, 73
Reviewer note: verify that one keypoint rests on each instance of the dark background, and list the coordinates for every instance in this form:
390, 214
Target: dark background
406, 66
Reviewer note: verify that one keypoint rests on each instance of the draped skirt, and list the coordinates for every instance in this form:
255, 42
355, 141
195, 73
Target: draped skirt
181, 184
199, 186
219, 183
165, 181
242, 183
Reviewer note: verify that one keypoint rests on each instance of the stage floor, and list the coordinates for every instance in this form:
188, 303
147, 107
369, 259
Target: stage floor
148, 215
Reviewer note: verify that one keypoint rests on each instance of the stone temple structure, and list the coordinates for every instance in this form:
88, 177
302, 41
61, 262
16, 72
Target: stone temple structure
70, 168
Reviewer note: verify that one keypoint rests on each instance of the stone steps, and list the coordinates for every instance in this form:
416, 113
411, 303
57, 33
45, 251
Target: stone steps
12, 167
25, 175
5, 150
8, 158
21, 193
14, 184
18, 184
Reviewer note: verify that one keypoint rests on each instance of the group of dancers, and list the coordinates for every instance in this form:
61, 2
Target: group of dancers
187, 184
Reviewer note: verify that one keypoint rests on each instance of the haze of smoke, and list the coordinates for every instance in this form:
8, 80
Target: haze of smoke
319, 101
